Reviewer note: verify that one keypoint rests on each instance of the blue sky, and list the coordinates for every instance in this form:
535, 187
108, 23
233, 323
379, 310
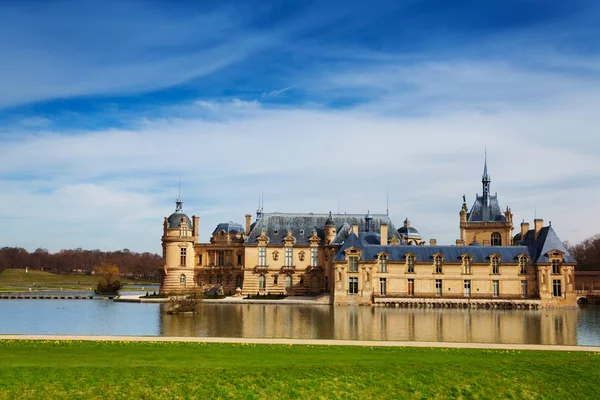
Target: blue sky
104, 105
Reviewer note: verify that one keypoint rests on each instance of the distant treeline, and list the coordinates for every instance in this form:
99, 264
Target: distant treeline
141, 266
587, 253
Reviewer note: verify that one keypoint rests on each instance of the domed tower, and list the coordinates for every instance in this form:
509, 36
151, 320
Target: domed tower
180, 234
329, 229
410, 234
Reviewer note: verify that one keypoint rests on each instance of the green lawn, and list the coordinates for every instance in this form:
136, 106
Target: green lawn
19, 280
155, 370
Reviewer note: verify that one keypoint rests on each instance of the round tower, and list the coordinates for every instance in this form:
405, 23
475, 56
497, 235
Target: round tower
329, 229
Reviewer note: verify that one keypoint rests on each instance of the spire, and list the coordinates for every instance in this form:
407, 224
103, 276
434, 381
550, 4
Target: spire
485, 180
179, 202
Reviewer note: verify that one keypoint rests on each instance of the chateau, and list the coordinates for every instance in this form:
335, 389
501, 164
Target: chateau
365, 259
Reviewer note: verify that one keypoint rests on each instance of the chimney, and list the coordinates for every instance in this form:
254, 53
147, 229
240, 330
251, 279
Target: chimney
248, 219
460, 242
383, 234
354, 228
165, 226
432, 242
196, 227
524, 229
538, 224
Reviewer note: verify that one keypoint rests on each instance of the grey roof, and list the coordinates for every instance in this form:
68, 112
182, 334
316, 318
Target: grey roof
229, 227
481, 212
426, 253
175, 220
412, 232
276, 226
546, 242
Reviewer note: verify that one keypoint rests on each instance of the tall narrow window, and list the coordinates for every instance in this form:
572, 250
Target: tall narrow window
275, 280
438, 264
183, 231
262, 282
239, 259
556, 288
496, 239
523, 265
199, 259
556, 266
353, 285
289, 256
182, 257
221, 258
353, 264
382, 286
467, 264
288, 282
219, 279
467, 288
410, 264
496, 288
182, 279
495, 265
438, 287
238, 281
523, 288
382, 263
314, 256
411, 287
262, 256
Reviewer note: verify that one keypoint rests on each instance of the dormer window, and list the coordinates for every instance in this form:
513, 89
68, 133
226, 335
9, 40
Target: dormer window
289, 256
275, 231
314, 256
467, 260
183, 231
353, 264
383, 259
262, 256
522, 265
438, 261
410, 264
556, 266
495, 261
301, 232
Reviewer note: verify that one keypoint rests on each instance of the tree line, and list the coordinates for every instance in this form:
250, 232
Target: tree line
587, 253
139, 266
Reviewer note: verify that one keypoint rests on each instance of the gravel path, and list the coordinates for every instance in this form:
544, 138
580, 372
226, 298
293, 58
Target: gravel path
326, 342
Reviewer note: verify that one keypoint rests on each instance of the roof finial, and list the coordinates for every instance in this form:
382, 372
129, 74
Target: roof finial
179, 202
387, 202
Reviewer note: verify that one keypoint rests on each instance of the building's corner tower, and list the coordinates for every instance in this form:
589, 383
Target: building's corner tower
180, 234
329, 229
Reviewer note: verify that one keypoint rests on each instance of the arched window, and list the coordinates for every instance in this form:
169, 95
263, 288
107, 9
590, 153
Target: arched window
496, 239
467, 264
383, 263
438, 262
262, 282
410, 264
495, 264
182, 279
523, 265
288, 282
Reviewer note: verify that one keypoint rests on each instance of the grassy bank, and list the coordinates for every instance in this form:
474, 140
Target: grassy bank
19, 280
154, 370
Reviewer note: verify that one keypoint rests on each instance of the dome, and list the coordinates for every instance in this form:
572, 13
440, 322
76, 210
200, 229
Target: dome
409, 231
229, 227
329, 221
176, 218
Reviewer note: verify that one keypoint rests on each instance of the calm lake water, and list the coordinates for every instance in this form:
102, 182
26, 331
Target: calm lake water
102, 317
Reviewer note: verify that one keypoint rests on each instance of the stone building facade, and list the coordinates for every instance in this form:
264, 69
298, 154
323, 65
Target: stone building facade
361, 259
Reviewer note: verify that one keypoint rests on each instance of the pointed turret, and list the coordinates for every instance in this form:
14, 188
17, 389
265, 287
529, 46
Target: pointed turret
486, 180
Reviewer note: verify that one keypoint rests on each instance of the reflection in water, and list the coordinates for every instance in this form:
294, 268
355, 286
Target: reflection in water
366, 323
99, 317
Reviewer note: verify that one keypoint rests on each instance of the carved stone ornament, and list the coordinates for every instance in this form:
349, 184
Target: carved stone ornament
301, 256
275, 255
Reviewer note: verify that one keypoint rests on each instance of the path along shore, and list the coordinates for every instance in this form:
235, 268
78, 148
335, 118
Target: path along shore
322, 342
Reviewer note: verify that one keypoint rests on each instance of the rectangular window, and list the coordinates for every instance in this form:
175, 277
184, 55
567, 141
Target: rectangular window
382, 263
555, 266
410, 264
382, 286
524, 288
289, 256
314, 256
411, 287
556, 288
221, 255
438, 265
496, 288
199, 259
495, 265
467, 290
523, 265
262, 256
438, 287
239, 259
353, 285
353, 264
182, 257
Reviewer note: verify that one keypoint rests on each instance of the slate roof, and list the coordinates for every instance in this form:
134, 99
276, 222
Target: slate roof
175, 220
480, 212
412, 232
229, 227
546, 242
425, 253
276, 226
